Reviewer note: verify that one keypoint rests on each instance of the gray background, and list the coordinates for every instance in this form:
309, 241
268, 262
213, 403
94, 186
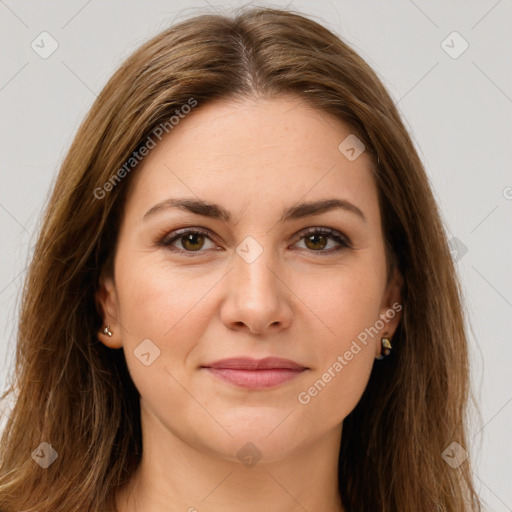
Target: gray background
459, 111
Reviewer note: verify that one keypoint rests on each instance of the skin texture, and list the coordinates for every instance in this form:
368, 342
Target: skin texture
297, 300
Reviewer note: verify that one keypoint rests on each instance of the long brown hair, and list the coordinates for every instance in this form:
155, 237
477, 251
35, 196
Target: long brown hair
76, 394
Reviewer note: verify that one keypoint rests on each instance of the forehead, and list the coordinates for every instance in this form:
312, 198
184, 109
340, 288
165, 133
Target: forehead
250, 152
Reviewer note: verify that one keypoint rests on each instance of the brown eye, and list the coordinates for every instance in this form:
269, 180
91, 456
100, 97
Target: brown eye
317, 239
192, 241
187, 241
316, 242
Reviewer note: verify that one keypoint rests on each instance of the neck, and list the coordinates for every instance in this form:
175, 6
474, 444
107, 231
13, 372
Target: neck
175, 476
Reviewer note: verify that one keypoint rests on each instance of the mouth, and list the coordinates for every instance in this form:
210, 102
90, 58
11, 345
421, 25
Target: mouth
255, 373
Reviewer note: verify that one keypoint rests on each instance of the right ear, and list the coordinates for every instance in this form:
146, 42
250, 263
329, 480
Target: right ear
106, 298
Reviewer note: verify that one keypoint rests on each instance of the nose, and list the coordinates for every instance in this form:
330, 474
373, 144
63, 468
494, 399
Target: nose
257, 298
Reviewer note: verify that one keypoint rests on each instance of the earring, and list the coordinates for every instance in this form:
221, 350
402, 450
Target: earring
386, 348
107, 331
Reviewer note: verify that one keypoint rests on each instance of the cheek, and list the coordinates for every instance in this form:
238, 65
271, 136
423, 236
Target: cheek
348, 306
346, 300
167, 308
162, 305
335, 390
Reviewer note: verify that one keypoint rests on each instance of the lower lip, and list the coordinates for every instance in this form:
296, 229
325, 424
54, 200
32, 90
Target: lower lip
256, 379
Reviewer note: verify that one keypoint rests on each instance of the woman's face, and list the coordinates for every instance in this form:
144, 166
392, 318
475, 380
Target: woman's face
269, 275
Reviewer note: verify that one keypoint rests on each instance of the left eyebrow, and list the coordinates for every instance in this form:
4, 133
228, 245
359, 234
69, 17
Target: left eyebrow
306, 209
298, 211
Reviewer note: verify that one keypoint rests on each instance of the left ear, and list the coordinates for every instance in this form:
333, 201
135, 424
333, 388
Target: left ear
391, 308
106, 298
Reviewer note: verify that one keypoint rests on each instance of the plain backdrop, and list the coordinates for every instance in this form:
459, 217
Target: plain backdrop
454, 92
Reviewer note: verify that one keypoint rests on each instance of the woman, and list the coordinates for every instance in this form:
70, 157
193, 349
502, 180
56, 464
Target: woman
242, 295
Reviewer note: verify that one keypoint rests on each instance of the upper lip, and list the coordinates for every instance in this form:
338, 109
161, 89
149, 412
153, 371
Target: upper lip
248, 363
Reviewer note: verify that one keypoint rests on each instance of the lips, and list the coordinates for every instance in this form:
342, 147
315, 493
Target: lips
247, 363
255, 373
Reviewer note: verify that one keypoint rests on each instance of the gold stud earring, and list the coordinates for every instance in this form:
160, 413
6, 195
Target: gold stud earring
386, 348
107, 331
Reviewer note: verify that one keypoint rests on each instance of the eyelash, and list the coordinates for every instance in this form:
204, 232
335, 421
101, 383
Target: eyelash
169, 238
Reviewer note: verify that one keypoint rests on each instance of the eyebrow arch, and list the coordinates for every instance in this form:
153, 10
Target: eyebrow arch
216, 211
